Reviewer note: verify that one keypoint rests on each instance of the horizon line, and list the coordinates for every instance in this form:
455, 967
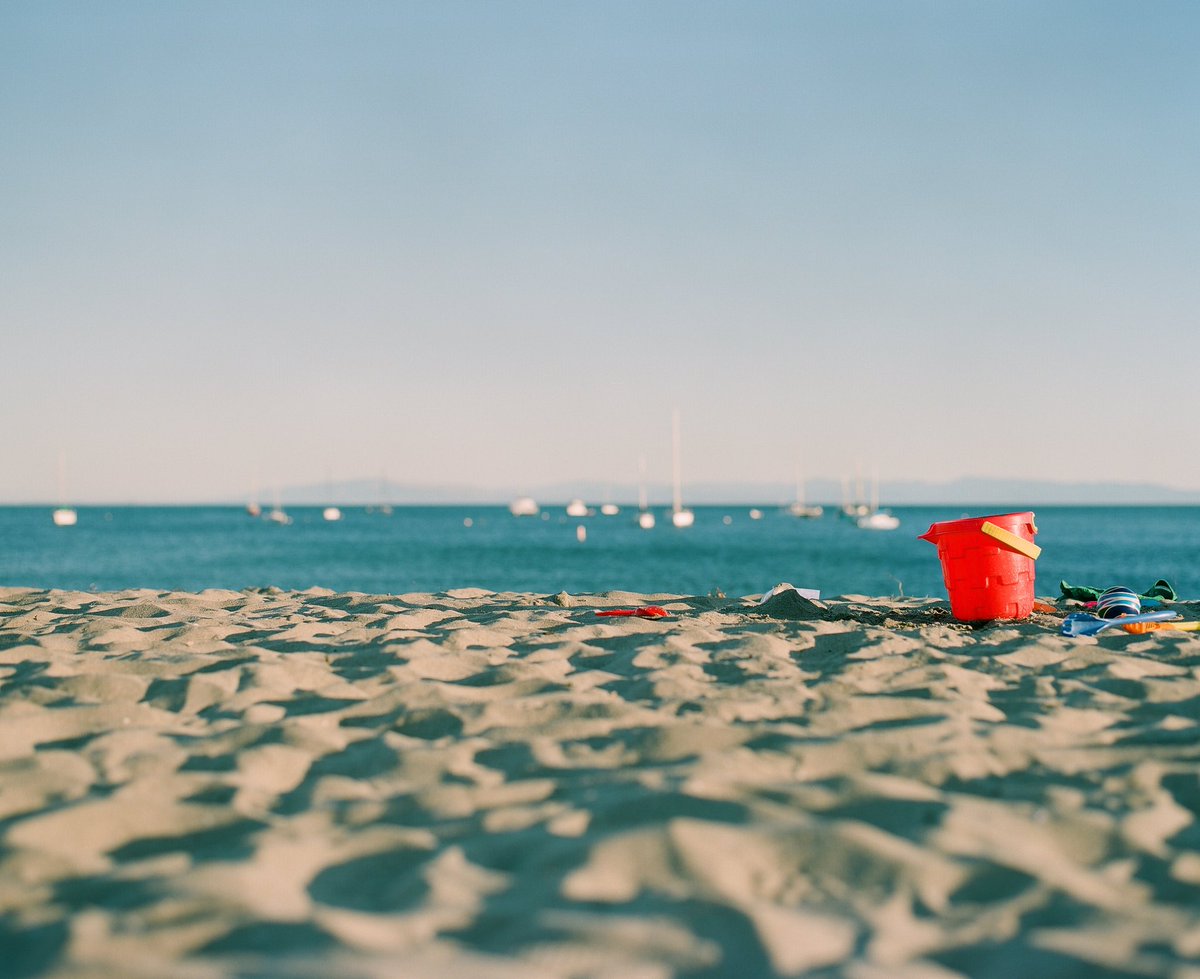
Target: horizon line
774, 504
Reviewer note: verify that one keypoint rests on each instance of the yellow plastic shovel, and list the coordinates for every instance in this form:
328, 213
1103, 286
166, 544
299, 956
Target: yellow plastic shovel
1139, 627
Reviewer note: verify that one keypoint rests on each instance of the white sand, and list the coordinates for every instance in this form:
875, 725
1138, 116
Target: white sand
477, 784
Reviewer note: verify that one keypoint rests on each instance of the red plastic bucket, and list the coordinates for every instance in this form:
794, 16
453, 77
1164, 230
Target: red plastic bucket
988, 565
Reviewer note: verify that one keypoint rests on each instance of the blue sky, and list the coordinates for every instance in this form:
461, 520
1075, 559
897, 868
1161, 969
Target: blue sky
494, 243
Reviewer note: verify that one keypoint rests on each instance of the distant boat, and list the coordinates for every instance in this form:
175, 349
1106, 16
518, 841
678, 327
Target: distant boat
331, 512
805, 512
800, 508
874, 518
277, 513
680, 516
853, 508
609, 509
252, 507
383, 507
577, 508
755, 513
63, 516
879, 520
645, 517
524, 506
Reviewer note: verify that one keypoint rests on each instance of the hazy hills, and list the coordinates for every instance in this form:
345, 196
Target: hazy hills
966, 491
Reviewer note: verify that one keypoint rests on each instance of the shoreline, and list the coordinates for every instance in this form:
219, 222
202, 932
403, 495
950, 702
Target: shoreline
316, 783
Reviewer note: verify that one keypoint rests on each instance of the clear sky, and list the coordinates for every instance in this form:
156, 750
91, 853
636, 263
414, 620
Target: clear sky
495, 242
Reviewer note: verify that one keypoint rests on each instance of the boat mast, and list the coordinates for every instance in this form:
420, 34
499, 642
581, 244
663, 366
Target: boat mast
677, 494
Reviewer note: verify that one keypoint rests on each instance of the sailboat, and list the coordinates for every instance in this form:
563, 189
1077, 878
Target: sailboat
878, 520
524, 506
645, 517
856, 507
330, 512
63, 516
680, 516
383, 506
874, 518
277, 514
252, 506
800, 508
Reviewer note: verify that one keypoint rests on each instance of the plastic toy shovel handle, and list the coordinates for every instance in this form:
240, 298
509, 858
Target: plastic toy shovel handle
1137, 628
1083, 624
1009, 539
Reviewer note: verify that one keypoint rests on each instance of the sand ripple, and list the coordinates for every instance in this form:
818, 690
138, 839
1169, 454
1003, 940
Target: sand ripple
312, 784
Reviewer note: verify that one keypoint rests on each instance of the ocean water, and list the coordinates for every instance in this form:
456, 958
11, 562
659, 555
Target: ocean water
440, 548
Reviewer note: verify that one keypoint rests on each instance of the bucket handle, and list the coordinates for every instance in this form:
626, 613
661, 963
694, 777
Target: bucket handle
1011, 540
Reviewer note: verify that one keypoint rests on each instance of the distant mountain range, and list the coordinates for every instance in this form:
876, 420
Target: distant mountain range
973, 491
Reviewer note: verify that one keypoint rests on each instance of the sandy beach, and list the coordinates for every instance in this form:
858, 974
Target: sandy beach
268, 783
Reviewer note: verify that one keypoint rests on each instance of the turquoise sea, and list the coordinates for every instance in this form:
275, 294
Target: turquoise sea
438, 548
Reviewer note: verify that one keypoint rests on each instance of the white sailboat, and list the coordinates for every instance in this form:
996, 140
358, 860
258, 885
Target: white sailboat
278, 514
577, 508
874, 518
63, 516
331, 512
524, 506
680, 516
879, 520
645, 517
854, 507
800, 508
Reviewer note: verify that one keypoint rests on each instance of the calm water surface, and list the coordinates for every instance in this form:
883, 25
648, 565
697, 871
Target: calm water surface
439, 548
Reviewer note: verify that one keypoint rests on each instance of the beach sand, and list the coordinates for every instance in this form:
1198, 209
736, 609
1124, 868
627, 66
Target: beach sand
269, 783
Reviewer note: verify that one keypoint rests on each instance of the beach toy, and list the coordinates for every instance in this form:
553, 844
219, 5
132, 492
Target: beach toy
1161, 589
1117, 601
1137, 628
1086, 624
644, 612
987, 565
1146, 603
